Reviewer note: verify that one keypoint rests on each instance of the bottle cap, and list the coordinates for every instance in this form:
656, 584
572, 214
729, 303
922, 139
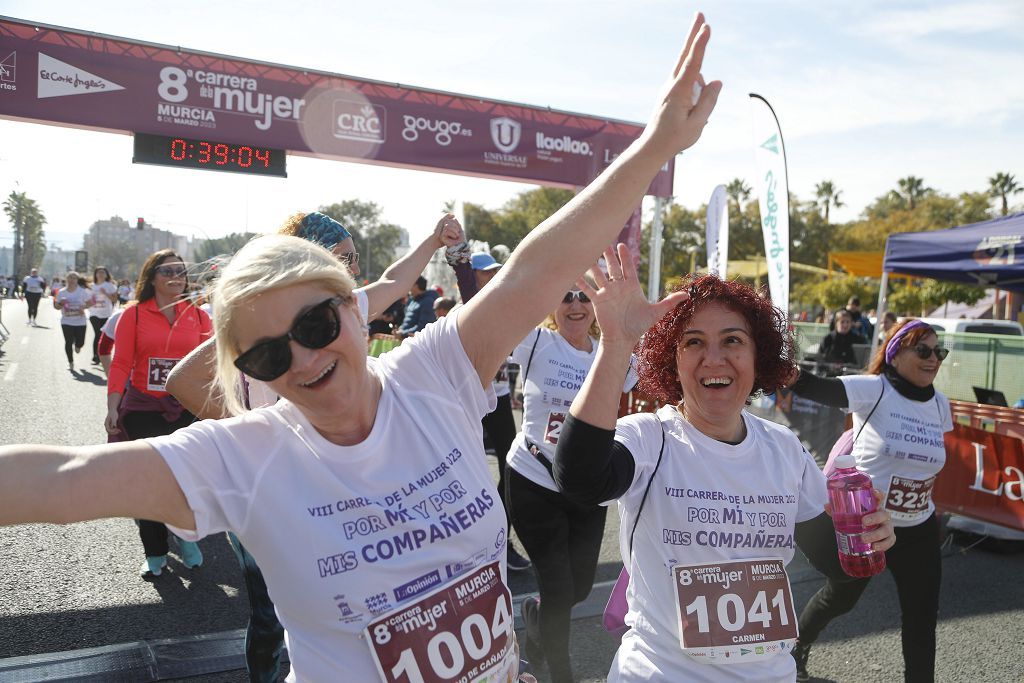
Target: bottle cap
845, 462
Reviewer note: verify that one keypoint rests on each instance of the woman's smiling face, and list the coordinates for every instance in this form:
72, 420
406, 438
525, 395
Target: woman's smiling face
716, 364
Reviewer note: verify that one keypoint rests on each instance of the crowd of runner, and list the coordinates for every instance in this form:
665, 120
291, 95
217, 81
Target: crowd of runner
357, 474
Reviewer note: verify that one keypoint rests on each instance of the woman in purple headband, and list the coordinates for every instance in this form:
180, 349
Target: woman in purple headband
899, 419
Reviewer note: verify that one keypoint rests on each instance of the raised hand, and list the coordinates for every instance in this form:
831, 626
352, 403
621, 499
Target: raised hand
686, 102
622, 310
449, 232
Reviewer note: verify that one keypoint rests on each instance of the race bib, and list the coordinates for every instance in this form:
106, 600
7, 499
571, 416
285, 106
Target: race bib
735, 612
462, 631
159, 369
554, 427
908, 498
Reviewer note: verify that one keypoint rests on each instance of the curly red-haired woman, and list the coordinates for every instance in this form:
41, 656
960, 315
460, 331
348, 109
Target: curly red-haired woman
710, 496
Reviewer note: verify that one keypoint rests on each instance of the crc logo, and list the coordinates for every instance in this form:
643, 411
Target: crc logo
442, 130
505, 134
360, 120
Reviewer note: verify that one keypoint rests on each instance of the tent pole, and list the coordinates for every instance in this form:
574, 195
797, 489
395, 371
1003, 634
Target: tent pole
654, 253
883, 302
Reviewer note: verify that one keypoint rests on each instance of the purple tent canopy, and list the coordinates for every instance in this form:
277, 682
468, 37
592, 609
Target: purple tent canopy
990, 253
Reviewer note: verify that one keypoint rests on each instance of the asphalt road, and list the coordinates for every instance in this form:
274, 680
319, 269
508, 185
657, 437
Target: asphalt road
77, 586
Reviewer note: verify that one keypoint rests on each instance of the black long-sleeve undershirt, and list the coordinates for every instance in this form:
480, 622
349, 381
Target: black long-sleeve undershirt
590, 466
827, 390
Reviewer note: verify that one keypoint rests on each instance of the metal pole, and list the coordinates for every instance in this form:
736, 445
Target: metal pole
883, 301
654, 261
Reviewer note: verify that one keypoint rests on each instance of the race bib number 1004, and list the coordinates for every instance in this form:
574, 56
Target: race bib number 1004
734, 612
459, 632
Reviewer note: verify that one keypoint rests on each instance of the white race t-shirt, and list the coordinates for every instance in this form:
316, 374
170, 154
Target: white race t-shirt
902, 447
34, 284
102, 306
344, 534
710, 502
110, 326
73, 305
556, 375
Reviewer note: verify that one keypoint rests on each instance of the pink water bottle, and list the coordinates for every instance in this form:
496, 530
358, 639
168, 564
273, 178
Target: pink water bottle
852, 496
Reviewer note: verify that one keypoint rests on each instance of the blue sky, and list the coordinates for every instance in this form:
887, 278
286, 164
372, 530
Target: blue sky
866, 93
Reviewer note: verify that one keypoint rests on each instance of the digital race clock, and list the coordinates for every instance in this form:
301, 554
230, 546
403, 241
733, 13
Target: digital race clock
166, 150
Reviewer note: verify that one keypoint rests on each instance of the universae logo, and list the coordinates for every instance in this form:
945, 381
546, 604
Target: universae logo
505, 134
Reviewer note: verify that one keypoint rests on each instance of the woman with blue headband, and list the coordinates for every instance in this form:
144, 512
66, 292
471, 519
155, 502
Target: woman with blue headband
899, 418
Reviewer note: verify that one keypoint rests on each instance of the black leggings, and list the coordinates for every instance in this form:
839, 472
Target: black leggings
139, 426
501, 429
916, 565
74, 335
97, 325
563, 539
32, 299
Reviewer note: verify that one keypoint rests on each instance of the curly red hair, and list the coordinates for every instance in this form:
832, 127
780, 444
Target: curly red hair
775, 359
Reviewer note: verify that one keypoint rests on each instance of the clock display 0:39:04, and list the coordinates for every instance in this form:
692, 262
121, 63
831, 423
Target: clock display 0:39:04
218, 153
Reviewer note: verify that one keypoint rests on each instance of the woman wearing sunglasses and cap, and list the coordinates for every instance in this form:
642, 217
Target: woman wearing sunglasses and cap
151, 337
365, 491
899, 419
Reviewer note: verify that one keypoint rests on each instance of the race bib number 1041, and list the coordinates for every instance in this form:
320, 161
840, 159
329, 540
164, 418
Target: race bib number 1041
461, 632
734, 612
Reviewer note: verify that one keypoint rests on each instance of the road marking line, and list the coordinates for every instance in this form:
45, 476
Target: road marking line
11, 372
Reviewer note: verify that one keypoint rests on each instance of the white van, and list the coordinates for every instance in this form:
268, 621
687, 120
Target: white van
976, 326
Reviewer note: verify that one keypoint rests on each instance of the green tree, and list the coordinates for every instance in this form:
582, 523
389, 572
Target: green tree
516, 218
911, 190
739, 192
220, 246
1003, 185
375, 240
828, 195
27, 221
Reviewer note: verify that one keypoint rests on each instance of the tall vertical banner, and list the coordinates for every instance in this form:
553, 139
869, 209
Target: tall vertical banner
630, 235
717, 235
772, 187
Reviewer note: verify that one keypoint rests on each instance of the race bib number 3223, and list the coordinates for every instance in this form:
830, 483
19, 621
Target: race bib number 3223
460, 632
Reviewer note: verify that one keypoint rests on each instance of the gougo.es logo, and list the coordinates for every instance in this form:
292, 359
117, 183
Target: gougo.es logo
443, 130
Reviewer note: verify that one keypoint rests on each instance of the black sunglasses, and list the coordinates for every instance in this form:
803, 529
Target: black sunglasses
569, 296
170, 271
349, 259
314, 329
923, 351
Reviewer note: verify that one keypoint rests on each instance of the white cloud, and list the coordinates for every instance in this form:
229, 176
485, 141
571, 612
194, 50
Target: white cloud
958, 18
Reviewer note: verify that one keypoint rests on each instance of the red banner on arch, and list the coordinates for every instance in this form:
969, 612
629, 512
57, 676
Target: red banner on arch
63, 76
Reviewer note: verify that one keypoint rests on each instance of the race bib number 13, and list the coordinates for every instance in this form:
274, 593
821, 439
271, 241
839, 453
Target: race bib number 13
735, 611
459, 632
159, 370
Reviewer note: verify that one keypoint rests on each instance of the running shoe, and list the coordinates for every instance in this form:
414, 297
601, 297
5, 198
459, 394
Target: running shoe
153, 566
800, 654
515, 561
191, 555
530, 610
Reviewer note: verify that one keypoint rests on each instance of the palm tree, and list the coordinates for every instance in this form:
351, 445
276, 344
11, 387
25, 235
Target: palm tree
828, 196
1003, 185
27, 221
739, 192
912, 189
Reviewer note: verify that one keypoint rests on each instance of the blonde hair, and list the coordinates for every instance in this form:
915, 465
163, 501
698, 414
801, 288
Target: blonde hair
265, 264
595, 329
